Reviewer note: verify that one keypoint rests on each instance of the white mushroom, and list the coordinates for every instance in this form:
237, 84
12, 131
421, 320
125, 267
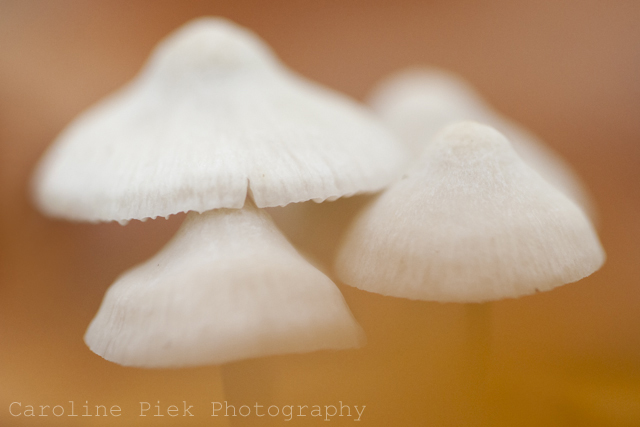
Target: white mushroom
228, 286
470, 223
214, 120
418, 103
211, 118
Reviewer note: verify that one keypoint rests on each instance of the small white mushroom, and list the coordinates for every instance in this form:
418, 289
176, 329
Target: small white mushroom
418, 103
211, 118
228, 286
470, 223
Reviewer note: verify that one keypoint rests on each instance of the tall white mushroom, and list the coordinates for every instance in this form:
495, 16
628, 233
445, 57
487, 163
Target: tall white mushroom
471, 222
418, 103
214, 119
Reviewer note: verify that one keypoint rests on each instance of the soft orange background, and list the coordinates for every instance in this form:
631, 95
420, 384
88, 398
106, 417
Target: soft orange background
568, 70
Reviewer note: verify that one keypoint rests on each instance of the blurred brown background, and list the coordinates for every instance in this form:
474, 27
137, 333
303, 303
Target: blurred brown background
568, 70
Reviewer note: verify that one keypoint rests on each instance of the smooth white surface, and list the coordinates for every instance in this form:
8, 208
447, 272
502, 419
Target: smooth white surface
227, 287
418, 103
470, 223
211, 118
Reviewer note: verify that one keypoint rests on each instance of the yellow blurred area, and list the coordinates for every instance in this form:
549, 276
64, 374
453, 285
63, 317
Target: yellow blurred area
567, 70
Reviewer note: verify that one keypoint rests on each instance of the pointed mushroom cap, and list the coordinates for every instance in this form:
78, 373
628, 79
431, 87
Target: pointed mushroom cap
212, 117
418, 103
228, 286
470, 223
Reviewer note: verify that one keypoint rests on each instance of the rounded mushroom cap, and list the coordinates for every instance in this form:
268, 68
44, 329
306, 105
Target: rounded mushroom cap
209, 45
470, 223
418, 103
227, 287
211, 118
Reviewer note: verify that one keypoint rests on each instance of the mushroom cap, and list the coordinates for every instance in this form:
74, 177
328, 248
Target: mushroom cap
418, 103
213, 117
228, 286
470, 223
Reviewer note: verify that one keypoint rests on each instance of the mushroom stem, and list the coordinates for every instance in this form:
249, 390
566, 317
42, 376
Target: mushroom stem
478, 320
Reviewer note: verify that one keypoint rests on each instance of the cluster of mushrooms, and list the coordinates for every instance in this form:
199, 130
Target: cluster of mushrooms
215, 126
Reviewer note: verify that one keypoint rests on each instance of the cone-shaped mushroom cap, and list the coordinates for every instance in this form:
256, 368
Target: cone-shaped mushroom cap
418, 103
228, 286
212, 117
472, 222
